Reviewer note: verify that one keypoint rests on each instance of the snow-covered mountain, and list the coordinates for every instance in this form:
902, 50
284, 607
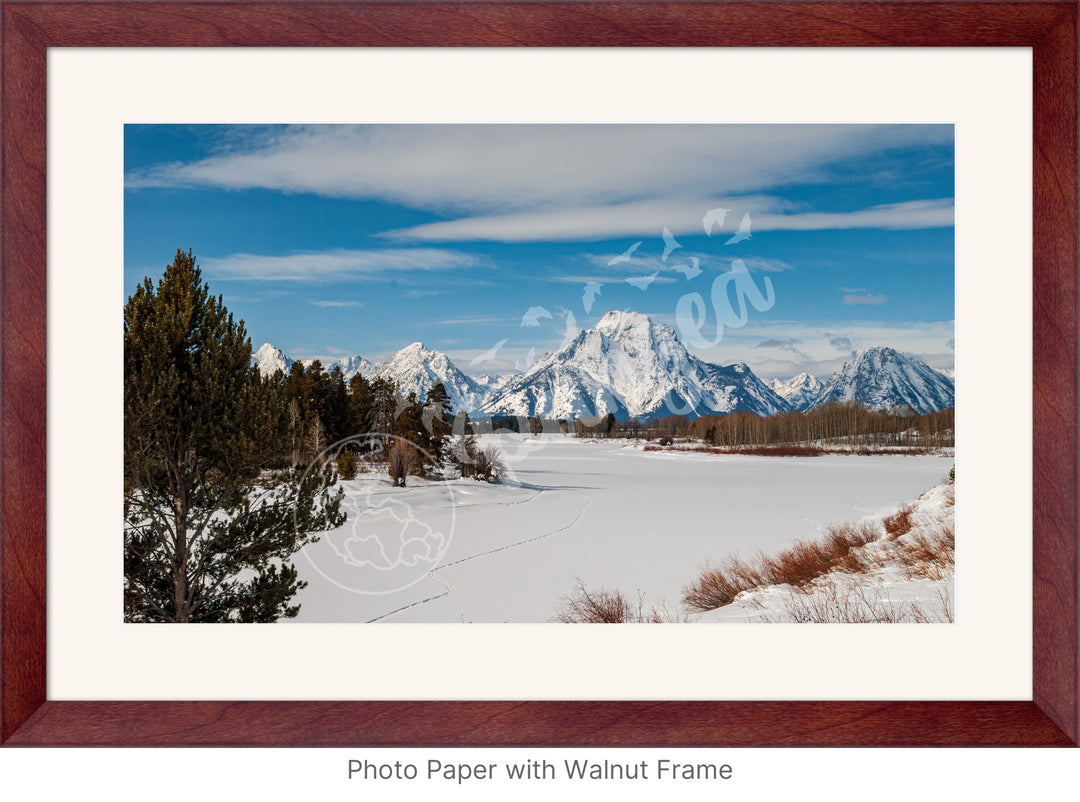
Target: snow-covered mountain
632, 367
415, 369
881, 378
351, 365
269, 360
799, 391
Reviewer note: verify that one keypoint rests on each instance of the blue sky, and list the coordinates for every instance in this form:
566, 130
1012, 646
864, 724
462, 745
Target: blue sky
333, 240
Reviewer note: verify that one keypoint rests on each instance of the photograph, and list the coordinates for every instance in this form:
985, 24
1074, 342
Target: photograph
539, 373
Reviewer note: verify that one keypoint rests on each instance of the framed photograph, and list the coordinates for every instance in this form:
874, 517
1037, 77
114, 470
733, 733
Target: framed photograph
542, 198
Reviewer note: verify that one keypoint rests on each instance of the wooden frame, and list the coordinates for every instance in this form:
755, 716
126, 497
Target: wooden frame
28, 718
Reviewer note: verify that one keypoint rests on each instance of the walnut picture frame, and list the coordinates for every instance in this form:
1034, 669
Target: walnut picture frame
29, 718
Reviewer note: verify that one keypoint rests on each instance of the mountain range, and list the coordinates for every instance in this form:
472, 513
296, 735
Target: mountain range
632, 367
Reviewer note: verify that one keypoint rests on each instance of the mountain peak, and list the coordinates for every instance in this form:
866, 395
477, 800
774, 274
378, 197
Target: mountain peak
615, 322
632, 367
881, 378
269, 359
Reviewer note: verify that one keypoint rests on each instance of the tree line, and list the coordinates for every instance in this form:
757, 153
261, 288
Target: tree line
844, 424
228, 473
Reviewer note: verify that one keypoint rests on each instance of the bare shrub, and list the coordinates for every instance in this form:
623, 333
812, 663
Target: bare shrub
847, 603
488, 464
718, 586
584, 606
798, 565
404, 460
900, 522
930, 555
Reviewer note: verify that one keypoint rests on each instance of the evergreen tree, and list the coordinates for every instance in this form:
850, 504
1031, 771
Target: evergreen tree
410, 426
383, 410
439, 418
360, 403
338, 425
209, 522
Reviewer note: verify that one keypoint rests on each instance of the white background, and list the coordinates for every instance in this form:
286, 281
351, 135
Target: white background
985, 92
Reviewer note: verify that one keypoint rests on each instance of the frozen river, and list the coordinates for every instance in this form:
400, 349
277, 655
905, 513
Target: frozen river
610, 514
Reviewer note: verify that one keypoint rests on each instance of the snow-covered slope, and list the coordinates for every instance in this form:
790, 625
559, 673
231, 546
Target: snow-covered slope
351, 365
799, 391
882, 378
269, 360
632, 367
415, 369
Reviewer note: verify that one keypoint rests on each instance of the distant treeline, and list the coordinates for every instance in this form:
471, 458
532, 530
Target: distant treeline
845, 424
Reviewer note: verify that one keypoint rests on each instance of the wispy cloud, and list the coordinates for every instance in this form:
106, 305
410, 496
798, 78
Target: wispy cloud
917, 214
488, 167
765, 265
790, 344
520, 183
871, 300
336, 304
471, 321
336, 265
777, 343
639, 218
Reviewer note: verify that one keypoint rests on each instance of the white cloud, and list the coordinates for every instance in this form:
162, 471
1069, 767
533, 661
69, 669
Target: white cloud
489, 167
336, 264
934, 213
867, 299
639, 218
819, 344
336, 304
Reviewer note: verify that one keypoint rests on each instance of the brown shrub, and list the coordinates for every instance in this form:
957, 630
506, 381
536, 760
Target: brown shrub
404, 460
717, 587
584, 606
798, 565
900, 522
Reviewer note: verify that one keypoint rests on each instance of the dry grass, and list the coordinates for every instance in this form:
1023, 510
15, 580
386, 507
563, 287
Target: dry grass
931, 557
798, 566
851, 603
900, 522
584, 606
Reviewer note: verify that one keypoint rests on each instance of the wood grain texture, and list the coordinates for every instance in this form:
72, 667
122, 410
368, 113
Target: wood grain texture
1050, 29
22, 372
1055, 409
630, 724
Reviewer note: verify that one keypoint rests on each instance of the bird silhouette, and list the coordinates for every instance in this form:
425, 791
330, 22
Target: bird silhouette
670, 243
532, 317
592, 289
690, 271
488, 355
625, 255
713, 218
642, 282
743, 232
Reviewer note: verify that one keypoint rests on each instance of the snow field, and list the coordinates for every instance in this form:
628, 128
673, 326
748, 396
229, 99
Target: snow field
615, 517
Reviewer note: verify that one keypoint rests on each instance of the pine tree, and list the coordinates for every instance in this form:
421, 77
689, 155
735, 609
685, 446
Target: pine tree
360, 403
439, 419
210, 516
384, 402
410, 426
